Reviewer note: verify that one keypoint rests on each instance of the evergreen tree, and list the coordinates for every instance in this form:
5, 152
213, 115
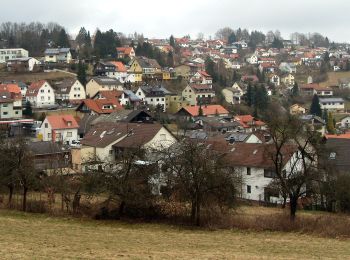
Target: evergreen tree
277, 43
63, 40
81, 75
210, 68
200, 111
330, 124
172, 41
325, 115
295, 90
28, 111
315, 108
170, 59
249, 96
232, 38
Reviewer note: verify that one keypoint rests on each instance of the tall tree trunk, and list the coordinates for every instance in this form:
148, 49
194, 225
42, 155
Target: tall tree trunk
293, 207
24, 203
193, 211
11, 189
121, 208
198, 214
284, 201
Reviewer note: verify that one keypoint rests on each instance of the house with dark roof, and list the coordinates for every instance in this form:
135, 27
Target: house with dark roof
153, 95
62, 55
105, 141
147, 68
253, 163
49, 156
336, 154
69, 90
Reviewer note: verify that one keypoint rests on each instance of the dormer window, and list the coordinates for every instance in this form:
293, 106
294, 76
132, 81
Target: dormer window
69, 123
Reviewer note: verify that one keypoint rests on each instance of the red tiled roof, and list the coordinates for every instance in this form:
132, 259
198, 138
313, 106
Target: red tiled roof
119, 66
33, 89
207, 110
13, 89
341, 136
125, 50
96, 105
204, 73
248, 121
109, 94
62, 121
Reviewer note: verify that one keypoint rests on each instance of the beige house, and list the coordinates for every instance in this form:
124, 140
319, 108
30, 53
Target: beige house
296, 109
288, 80
234, 94
105, 141
197, 94
97, 84
62, 55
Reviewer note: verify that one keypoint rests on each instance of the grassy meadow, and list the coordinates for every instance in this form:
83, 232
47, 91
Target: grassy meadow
35, 236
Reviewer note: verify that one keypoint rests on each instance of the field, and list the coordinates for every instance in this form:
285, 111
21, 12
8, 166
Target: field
31, 77
333, 78
33, 236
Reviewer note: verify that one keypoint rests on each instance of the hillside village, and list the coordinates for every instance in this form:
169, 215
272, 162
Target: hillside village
155, 93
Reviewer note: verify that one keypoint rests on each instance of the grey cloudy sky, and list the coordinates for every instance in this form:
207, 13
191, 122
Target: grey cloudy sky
160, 18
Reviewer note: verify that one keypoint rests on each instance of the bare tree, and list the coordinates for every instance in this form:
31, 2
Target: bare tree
294, 153
199, 175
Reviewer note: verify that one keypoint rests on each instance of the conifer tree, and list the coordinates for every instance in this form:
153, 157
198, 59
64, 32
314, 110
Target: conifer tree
315, 108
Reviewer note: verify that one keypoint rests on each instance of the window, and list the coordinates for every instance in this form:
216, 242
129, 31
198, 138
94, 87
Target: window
162, 99
49, 135
46, 125
248, 171
4, 113
16, 112
162, 137
269, 173
48, 98
42, 91
42, 98
110, 152
157, 99
49, 91
69, 134
249, 189
332, 155
4, 105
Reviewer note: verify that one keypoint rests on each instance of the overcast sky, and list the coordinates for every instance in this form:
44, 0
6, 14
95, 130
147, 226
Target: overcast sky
161, 18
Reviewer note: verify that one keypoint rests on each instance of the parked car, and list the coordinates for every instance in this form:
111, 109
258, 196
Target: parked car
75, 143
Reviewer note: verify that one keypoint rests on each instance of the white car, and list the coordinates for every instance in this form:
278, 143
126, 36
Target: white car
75, 143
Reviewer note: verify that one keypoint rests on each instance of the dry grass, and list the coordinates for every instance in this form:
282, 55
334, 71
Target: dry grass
31, 77
30, 236
333, 78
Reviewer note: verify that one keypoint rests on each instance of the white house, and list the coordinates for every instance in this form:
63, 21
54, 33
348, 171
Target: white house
153, 95
22, 64
70, 90
58, 55
275, 79
9, 54
332, 104
257, 171
40, 94
201, 77
253, 59
345, 122
59, 128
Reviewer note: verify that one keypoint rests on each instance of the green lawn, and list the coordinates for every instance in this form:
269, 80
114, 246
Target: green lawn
32, 236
